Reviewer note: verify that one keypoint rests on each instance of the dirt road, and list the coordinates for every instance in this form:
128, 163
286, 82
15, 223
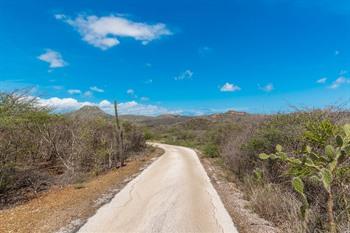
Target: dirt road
174, 194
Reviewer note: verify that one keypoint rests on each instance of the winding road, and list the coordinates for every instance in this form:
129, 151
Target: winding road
173, 194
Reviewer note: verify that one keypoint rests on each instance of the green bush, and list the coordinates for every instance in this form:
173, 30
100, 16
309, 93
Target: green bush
148, 135
211, 150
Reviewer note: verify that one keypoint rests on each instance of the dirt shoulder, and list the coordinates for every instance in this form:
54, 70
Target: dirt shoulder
65, 209
245, 220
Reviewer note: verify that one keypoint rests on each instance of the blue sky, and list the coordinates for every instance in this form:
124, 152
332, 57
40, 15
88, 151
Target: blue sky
187, 57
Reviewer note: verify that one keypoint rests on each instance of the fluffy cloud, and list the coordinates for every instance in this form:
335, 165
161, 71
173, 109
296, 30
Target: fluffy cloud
96, 89
322, 80
267, 88
74, 91
62, 104
339, 81
187, 74
131, 107
104, 32
88, 94
52, 57
229, 87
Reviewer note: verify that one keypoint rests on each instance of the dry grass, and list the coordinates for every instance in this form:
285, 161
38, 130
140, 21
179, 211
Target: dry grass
276, 205
224, 182
59, 207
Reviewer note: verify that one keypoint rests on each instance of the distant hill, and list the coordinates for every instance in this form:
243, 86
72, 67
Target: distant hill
93, 112
88, 113
135, 118
166, 119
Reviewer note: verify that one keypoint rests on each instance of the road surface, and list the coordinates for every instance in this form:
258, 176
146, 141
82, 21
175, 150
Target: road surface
174, 194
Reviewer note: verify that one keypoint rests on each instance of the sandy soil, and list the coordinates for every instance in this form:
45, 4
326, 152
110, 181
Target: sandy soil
174, 194
245, 219
65, 209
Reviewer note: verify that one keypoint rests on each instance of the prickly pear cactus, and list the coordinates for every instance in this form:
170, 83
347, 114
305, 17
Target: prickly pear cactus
322, 167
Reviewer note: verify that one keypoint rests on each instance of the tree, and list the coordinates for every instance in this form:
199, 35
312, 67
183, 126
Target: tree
325, 167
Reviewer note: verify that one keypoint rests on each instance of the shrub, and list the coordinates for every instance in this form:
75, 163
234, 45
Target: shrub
32, 138
327, 168
211, 150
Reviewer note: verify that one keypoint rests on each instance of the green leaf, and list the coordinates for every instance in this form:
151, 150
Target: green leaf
264, 156
327, 178
347, 130
308, 149
339, 141
332, 165
279, 148
330, 151
258, 173
298, 185
294, 161
283, 156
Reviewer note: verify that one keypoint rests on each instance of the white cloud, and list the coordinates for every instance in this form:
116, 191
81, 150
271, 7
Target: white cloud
131, 107
187, 74
267, 88
322, 80
54, 58
104, 32
144, 98
74, 91
339, 81
63, 104
88, 94
229, 87
96, 89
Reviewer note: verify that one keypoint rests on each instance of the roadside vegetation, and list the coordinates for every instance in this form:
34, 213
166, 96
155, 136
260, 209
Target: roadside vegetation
293, 168
39, 148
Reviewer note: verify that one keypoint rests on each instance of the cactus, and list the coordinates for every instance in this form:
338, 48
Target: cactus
322, 167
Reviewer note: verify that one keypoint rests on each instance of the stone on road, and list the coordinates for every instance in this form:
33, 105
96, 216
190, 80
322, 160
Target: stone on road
174, 194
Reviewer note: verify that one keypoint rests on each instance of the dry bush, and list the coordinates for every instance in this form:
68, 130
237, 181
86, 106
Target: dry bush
277, 205
275, 201
34, 143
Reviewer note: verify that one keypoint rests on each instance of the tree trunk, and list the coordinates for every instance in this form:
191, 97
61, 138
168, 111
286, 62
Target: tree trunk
330, 204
